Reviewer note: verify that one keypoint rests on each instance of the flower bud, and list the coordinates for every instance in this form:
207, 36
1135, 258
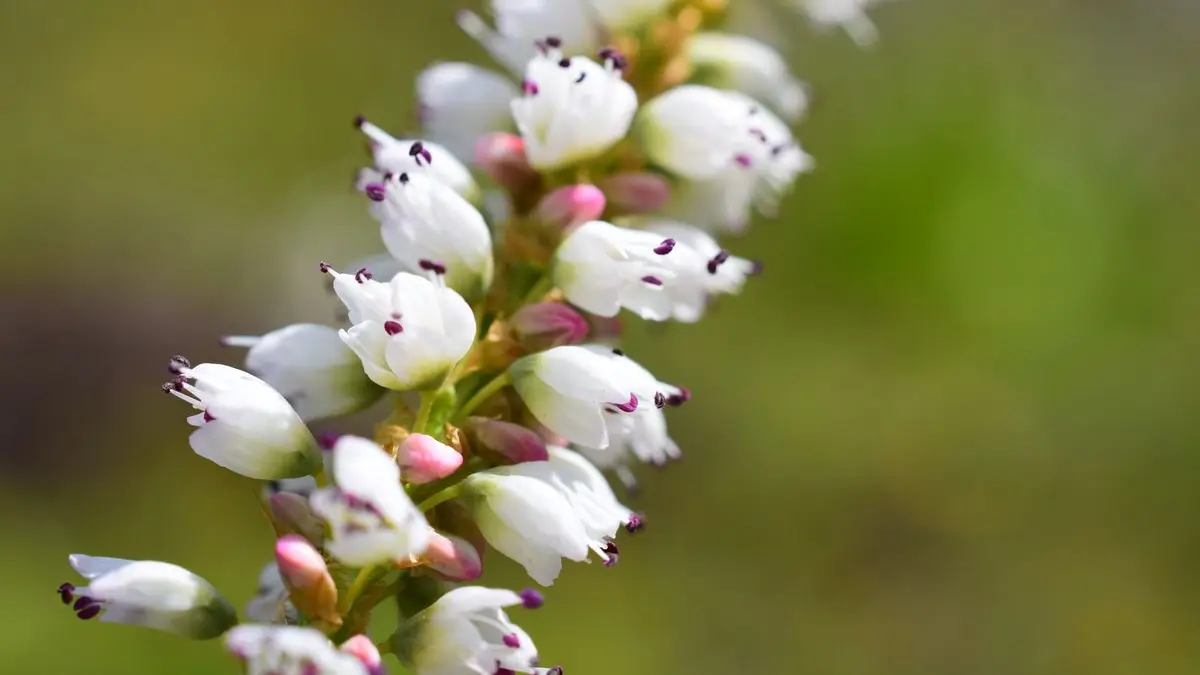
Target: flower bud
453, 557
310, 586
502, 157
423, 459
569, 206
292, 515
361, 648
636, 192
512, 442
544, 325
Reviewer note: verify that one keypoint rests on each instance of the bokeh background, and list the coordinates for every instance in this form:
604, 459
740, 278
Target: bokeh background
952, 429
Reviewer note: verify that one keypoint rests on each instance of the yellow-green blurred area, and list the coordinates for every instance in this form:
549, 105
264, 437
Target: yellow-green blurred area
952, 430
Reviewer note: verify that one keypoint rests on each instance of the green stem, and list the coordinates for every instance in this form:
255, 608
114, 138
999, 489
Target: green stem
440, 497
422, 421
499, 382
365, 576
540, 288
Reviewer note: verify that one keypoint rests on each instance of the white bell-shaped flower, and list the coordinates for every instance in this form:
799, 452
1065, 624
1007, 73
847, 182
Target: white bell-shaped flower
628, 15
392, 155
310, 365
371, 519
147, 593
699, 132
573, 108
522, 24
602, 268
426, 225
588, 492
729, 61
409, 332
243, 425
568, 388
709, 270
290, 650
467, 632
461, 103
849, 14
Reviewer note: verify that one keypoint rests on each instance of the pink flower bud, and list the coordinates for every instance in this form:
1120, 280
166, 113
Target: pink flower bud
512, 442
569, 206
307, 579
453, 557
502, 157
292, 515
423, 459
545, 325
361, 648
633, 193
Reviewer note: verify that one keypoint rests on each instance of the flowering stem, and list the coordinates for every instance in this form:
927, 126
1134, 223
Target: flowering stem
365, 576
422, 421
440, 497
499, 382
540, 288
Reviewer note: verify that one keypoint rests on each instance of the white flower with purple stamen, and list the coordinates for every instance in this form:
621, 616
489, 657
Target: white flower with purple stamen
371, 519
709, 270
520, 24
291, 650
729, 61
392, 155
461, 103
567, 388
589, 494
426, 225
602, 268
700, 133
148, 593
407, 333
573, 108
467, 632
244, 424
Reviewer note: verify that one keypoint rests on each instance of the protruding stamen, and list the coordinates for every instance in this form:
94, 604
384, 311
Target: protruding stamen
88, 612
325, 267
629, 406
743, 160
553, 42
756, 268
208, 416
376, 192
581, 78
83, 602
532, 598
564, 62
393, 327
173, 386
432, 266
635, 524
403, 178
665, 247
359, 121
611, 552
618, 352
419, 152
245, 341
653, 281
758, 133
613, 59
67, 593
362, 275
659, 400
512, 640
529, 87
556, 670
676, 400
717, 260
327, 439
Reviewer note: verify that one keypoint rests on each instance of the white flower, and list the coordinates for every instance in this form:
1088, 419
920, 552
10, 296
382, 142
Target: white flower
462, 102
585, 488
628, 15
396, 156
573, 108
311, 367
849, 14
409, 332
567, 388
641, 434
708, 270
427, 225
602, 268
466, 632
147, 593
522, 24
244, 425
729, 61
269, 604
371, 518
290, 650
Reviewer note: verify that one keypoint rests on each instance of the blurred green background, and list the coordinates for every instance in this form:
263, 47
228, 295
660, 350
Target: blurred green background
950, 431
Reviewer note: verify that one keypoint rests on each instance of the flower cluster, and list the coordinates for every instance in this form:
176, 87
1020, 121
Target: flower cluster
532, 207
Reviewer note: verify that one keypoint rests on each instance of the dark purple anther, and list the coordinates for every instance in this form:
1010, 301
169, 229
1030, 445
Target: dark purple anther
404, 178
208, 416
431, 266
758, 133
83, 602
676, 400
501, 670
556, 670
67, 593
612, 55
635, 524
359, 121
362, 275
173, 385
564, 63
529, 87
376, 192
756, 268
511, 640
653, 281
393, 327
325, 267
327, 439
554, 42
659, 400
665, 247
618, 352
630, 406
743, 160
717, 260
178, 364
88, 612
417, 150
581, 78
614, 554
532, 598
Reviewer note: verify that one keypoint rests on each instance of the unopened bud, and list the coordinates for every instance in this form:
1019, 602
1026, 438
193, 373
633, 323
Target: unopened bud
309, 584
638, 192
423, 459
570, 206
292, 515
513, 443
361, 648
502, 157
453, 557
545, 325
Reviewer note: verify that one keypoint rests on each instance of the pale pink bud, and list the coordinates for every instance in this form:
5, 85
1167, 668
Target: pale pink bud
307, 579
633, 193
361, 648
292, 515
512, 442
502, 157
545, 325
423, 459
570, 206
453, 557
